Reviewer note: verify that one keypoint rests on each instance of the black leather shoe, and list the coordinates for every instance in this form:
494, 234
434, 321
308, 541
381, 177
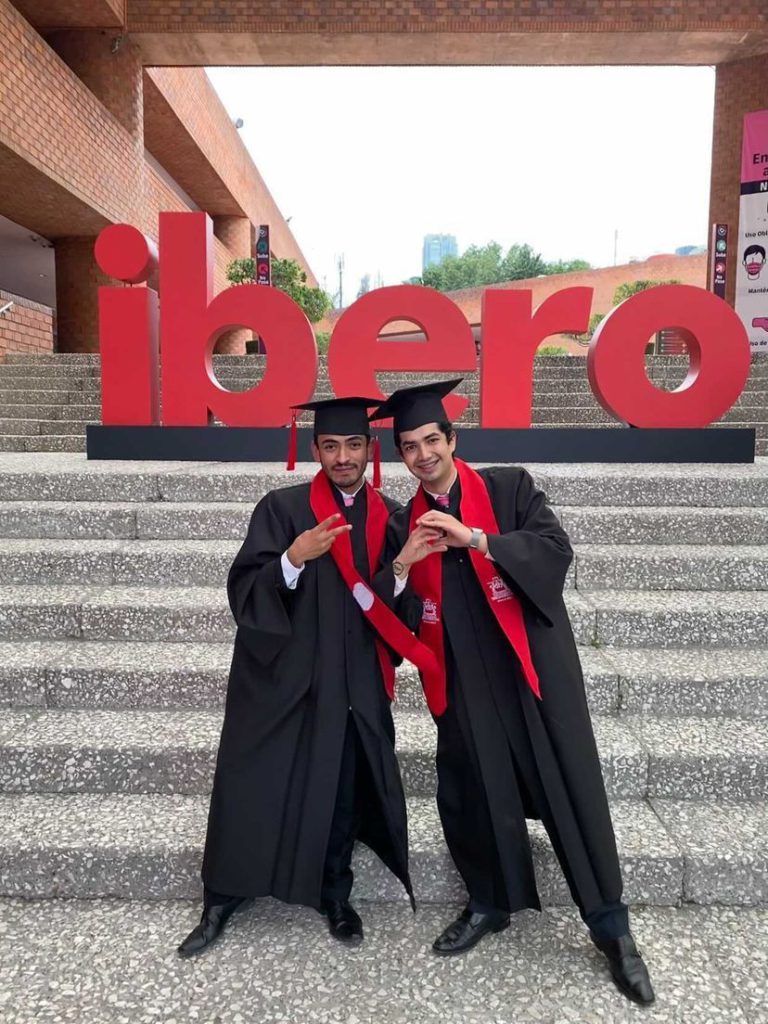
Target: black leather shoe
344, 922
467, 930
211, 924
627, 968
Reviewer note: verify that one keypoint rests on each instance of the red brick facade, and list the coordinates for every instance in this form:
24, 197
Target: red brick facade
73, 130
25, 327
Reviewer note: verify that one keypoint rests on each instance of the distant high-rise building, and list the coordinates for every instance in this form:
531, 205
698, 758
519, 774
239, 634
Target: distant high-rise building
436, 248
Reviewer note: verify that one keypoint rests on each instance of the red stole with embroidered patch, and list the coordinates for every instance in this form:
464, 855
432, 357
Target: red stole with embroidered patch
383, 620
426, 578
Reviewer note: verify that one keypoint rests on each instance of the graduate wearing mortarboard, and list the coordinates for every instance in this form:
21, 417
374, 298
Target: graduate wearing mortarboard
514, 737
306, 763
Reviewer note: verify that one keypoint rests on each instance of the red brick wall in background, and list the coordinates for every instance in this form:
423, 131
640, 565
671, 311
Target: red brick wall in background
25, 327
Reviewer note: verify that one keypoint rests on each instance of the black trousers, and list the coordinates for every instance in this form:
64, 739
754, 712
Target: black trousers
469, 834
337, 871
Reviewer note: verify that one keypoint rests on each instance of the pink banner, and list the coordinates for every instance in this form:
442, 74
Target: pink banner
754, 147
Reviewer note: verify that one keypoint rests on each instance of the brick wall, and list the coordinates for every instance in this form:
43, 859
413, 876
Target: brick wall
345, 16
25, 327
53, 121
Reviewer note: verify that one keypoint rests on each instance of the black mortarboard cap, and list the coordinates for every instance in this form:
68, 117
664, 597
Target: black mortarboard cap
413, 407
341, 415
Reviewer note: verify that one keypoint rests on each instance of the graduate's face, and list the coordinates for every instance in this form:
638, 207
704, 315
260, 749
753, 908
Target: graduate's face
428, 454
343, 458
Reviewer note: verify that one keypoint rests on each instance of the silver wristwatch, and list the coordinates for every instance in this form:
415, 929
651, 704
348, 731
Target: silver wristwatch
474, 540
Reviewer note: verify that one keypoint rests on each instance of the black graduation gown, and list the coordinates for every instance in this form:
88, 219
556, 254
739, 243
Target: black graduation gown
503, 754
303, 662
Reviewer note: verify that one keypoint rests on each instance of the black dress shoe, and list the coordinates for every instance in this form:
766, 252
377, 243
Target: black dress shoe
211, 924
344, 922
627, 968
467, 930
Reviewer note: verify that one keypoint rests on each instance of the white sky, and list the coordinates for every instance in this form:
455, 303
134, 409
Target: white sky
366, 161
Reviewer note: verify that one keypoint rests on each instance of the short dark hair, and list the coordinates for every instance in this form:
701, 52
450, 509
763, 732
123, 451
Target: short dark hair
756, 249
444, 426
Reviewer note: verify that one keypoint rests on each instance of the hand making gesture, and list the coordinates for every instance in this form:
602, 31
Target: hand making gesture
315, 542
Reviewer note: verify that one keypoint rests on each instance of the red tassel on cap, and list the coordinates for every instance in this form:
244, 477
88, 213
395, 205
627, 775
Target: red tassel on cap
376, 463
292, 443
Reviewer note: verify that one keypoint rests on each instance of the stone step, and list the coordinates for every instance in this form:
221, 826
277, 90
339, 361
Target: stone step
206, 563
622, 525
194, 613
278, 963
150, 847
28, 427
69, 477
46, 396
174, 752
670, 619
665, 567
25, 443
140, 751
165, 520
653, 486
52, 359
244, 378
117, 675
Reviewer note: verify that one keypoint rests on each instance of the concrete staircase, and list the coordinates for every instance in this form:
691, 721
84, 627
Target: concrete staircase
115, 643
47, 401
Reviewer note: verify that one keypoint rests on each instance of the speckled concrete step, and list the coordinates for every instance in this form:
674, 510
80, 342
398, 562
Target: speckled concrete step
682, 525
691, 681
655, 486
157, 520
96, 674
25, 443
106, 613
112, 674
197, 613
42, 396
675, 619
668, 567
139, 751
174, 562
150, 847
277, 965
142, 751
151, 562
65, 477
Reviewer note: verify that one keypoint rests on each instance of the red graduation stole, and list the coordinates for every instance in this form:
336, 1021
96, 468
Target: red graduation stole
427, 581
383, 620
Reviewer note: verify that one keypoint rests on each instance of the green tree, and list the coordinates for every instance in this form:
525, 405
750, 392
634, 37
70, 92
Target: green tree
489, 264
630, 288
567, 266
288, 276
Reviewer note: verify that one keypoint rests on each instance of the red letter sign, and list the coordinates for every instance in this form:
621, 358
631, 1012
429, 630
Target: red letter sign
355, 352
128, 341
511, 335
191, 320
719, 358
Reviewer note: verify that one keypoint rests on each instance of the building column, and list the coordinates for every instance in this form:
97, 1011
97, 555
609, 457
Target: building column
77, 283
110, 66
740, 88
235, 235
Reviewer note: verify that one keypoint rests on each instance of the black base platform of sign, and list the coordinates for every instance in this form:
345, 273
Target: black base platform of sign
538, 444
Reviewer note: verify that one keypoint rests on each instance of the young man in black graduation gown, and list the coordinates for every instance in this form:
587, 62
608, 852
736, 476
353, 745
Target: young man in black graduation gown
514, 737
306, 762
